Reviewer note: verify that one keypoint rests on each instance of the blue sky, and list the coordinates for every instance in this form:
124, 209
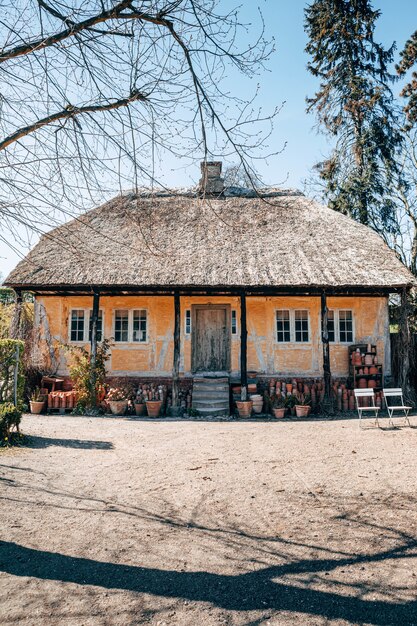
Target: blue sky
287, 80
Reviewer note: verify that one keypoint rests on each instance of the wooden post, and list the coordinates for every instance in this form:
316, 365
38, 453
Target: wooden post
17, 316
243, 349
177, 352
326, 352
93, 343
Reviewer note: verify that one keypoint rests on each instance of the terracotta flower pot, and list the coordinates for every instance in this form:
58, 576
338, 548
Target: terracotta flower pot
279, 412
118, 407
140, 408
301, 410
36, 407
244, 408
153, 407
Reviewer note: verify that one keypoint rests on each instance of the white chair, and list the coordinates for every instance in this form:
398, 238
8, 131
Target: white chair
362, 394
398, 404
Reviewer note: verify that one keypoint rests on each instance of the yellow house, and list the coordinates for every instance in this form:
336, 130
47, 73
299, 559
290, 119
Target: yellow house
215, 281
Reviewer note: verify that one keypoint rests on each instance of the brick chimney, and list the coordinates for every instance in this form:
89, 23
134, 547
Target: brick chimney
211, 183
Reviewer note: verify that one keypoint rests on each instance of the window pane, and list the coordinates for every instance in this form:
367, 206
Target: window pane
121, 326
346, 326
77, 325
301, 326
234, 323
330, 325
99, 326
139, 325
187, 322
283, 326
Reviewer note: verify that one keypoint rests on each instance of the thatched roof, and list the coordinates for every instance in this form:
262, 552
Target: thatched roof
177, 239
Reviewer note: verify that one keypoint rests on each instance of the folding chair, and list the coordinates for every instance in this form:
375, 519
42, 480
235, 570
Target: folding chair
396, 393
366, 393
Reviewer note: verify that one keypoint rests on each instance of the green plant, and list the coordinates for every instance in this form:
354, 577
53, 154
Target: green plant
303, 399
11, 352
278, 402
290, 401
10, 417
37, 396
192, 412
80, 369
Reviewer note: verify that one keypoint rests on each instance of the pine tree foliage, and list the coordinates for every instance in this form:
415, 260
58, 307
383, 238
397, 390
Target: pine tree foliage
408, 59
354, 104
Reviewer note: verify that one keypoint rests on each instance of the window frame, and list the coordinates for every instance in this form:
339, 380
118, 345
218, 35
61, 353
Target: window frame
77, 341
234, 321
291, 319
188, 323
336, 318
147, 326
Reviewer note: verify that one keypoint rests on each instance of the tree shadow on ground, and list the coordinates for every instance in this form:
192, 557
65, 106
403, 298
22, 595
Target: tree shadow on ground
256, 590
32, 441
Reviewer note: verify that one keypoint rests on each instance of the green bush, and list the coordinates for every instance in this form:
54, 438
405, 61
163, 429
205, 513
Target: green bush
11, 350
10, 418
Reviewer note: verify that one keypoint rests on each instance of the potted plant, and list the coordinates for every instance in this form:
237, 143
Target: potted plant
153, 407
139, 403
117, 398
278, 406
244, 407
290, 402
36, 401
303, 406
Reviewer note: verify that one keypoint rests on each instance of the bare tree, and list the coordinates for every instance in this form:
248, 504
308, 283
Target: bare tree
95, 94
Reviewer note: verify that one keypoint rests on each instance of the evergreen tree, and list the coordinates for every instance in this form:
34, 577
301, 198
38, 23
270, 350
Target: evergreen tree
355, 105
408, 59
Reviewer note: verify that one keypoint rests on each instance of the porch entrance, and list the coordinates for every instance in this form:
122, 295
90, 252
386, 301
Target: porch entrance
210, 339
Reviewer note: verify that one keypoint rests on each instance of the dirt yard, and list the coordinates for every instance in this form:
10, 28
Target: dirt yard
112, 521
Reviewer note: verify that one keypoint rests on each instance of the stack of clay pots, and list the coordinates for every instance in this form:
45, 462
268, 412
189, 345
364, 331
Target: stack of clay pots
257, 402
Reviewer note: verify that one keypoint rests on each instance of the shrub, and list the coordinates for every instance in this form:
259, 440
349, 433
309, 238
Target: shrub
79, 364
11, 352
10, 417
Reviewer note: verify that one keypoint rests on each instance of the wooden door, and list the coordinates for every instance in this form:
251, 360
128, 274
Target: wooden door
210, 338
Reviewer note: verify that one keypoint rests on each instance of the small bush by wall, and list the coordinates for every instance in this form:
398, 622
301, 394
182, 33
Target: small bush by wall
11, 364
10, 418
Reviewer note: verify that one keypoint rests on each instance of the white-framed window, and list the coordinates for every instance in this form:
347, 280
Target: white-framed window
121, 325
283, 326
345, 326
99, 325
301, 326
80, 323
188, 321
340, 324
234, 322
292, 326
140, 325
77, 325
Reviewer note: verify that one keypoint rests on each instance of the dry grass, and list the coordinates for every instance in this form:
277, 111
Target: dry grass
179, 240
109, 521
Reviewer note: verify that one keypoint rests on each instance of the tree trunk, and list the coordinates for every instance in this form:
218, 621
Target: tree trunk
406, 350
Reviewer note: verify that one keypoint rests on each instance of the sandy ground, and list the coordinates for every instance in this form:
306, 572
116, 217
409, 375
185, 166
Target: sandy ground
112, 521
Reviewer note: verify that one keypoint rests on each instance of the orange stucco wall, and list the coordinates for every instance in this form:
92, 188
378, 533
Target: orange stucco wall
265, 355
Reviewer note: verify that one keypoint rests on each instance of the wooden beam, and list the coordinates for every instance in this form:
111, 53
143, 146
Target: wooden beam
243, 348
326, 351
93, 344
177, 351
